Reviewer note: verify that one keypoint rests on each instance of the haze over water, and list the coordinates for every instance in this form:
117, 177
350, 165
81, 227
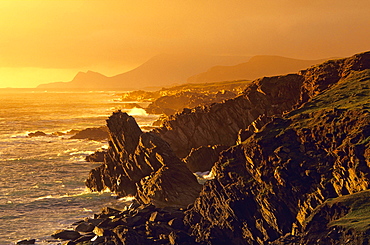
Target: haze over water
42, 178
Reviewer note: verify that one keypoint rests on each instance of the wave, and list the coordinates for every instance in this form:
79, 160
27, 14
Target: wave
137, 112
81, 192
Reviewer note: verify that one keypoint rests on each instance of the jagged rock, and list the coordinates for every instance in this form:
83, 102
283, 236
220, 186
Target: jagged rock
129, 236
165, 187
133, 155
220, 123
254, 127
267, 186
97, 134
203, 158
153, 225
97, 156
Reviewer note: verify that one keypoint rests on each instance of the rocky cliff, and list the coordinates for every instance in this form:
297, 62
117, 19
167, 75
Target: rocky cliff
267, 186
314, 146
142, 164
221, 122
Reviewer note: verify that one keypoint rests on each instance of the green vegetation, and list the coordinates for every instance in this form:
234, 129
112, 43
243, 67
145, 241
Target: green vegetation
358, 217
353, 92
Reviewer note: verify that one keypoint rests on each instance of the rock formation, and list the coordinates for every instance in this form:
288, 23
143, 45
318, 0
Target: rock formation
272, 186
221, 122
203, 158
134, 155
267, 186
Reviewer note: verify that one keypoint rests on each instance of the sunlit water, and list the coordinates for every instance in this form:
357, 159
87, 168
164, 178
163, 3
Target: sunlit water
42, 178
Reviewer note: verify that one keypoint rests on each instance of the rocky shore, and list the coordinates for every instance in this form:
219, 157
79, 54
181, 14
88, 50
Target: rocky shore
290, 158
97, 134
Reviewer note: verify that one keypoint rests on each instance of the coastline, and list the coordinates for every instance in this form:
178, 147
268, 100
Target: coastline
297, 154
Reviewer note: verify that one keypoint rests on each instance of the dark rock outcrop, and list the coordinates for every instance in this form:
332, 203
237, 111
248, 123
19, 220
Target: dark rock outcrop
276, 178
268, 186
137, 224
134, 155
97, 134
203, 158
97, 156
169, 186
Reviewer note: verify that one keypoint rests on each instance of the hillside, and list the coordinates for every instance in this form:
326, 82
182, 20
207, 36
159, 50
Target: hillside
257, 66
302, 138
159, 71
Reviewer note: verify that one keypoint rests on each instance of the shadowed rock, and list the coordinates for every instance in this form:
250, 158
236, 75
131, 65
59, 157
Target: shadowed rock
97, 134
133, 155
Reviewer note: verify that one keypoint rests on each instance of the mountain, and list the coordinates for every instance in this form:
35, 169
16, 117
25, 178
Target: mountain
257, 66
161, 70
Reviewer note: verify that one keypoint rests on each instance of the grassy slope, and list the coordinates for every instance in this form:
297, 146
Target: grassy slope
350, 93
358, 217
353, 92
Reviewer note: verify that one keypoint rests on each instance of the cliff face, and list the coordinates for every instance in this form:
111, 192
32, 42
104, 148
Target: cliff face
220, 123
133, 155
267, 186
314, 146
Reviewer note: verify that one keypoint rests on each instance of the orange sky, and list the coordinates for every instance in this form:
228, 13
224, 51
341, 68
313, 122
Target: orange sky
51, 40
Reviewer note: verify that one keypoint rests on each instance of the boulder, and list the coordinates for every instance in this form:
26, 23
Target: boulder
173, 186
66, 234
84, 227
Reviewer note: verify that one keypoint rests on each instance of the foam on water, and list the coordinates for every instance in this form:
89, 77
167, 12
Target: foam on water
42, 178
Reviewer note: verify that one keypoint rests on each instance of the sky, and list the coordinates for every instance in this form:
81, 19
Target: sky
45, 41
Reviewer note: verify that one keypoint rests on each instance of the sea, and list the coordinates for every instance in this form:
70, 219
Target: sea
42, 178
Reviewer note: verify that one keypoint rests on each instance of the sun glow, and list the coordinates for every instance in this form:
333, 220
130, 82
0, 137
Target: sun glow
50, 41
30, 77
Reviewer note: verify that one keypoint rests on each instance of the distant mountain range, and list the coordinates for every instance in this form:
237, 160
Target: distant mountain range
161, 70
166, 70
257, 66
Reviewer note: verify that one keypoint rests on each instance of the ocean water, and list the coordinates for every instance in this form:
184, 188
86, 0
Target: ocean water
42, 178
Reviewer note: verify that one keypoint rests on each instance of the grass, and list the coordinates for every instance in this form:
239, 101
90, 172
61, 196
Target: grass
353, 92
358, 217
